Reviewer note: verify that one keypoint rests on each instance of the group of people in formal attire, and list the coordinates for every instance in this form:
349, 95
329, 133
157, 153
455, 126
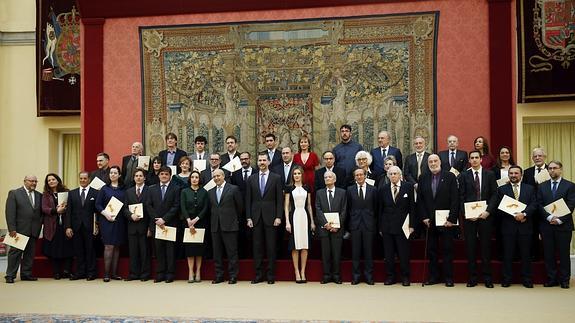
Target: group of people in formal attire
364, 196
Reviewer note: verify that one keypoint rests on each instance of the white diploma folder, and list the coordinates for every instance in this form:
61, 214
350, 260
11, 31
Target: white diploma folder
174, 169
197, 237
144, 162
233, 165
454, 171
370, 181
209, 185
200, 164
542, 176
333, 219
510, 205
19, 241
441, 217
405, 227
558, 208
502, 181
62, 198
474, 209
114, 206
168, 233
97, 183
137, 209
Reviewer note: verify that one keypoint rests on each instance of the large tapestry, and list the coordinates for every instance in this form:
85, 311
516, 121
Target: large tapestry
290, 78
546, 50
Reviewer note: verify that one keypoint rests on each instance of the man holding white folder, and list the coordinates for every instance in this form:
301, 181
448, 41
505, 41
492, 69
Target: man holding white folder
557, 223
479, 186
517, 224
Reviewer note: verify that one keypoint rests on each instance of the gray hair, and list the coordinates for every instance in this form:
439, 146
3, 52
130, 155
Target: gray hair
363, 154
329, 172
396, 169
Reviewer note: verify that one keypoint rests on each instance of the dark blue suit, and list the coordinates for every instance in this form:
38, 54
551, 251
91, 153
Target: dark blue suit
377, 163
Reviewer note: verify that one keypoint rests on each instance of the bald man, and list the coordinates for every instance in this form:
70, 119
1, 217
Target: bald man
130, 163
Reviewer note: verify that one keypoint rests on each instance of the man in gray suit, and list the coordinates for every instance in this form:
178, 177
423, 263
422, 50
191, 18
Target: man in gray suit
330, 199
23, 216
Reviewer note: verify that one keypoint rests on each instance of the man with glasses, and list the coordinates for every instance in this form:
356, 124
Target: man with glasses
329, 162
207, 174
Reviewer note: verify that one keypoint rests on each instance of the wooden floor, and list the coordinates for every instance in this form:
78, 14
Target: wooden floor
290, 301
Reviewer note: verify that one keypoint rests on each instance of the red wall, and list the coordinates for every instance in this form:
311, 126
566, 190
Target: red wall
463, 70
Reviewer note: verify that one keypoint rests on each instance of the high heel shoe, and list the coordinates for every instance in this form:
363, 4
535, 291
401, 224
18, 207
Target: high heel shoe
192, 280
197, 279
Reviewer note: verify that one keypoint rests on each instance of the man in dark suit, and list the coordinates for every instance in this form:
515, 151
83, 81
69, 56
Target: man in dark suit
329, 161
556, 231
396, 203
264, 210
437, 191
240, 179
138, 228
79, 223
130, 163
103, 171
383, 150
23, 216
538, 156
517, 229
453, 157
274, 154
225, 206
479, 184
416, 163
163, 206
362, 210
286, 167
199, 153
215, 163
172, 154
330, 199
231, 145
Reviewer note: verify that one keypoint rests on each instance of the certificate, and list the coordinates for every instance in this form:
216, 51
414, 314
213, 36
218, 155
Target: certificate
174, 169
167, 233
441, 217
19, 241
542, 176
209, 185
97, 183
405, 227
502, 181
114, 206
370, 181
62, 198
233, 165
454, 171
558, 208
144, 162
511, 206
474, 209
137, 209
200, 164
197, 237
333, 219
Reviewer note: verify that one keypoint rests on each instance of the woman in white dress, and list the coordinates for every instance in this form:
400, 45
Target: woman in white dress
299, 223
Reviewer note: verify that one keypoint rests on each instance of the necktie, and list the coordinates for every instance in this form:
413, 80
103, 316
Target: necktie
515, 191
31, 197
245, 175
383, 153
219, 194
538, 170
163, 191
83, 196
262, 183
419, 165
138, 192
271, 154
330, 200
395, 191
452, 159
477, 186
200, 157
361, 192
554, 189
286, 172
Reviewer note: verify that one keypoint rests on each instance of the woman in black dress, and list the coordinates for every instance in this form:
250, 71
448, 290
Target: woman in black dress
152, 176
194, 204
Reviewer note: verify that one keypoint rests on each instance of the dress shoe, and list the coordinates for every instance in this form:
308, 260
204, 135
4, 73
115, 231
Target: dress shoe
29, 278
257, 280
431, 282
388, 282
130, 278
471, 283
77, 277
116, 277
355, 282
271, 281
505, 284
106, 279
370, 282
528, 284
90, 278
232, 281
565, 285
218, 280
550, 284
65, 275
449, 283
325, 280
144, 279
405, 282
9, 280
337, 281
488, 284
57, 276
158, 280
169, 280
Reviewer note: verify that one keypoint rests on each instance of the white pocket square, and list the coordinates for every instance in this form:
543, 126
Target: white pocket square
405, 195
91, 199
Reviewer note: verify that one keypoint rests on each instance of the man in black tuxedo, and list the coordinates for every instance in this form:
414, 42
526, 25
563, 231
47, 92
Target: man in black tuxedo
453, 157
383, 150
556, 231
23, 216
138, 228
232, 150
479, 184
225, 206
286, 167
538, 157
362, 210
172, 154
130, 163
274, 154
329, 161
416, 163
330, 199
163, 206
396, 203
264, 210
215, 162
240, 179
517, 229
79, 224
103, 171
437, 191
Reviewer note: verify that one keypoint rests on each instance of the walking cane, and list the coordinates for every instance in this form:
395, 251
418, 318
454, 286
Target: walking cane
425, 255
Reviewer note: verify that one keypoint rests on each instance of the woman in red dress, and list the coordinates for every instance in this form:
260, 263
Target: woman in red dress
308, 160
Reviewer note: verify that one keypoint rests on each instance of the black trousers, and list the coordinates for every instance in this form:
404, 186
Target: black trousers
331, 254
523, 242
165, 259
446, 235
557, 241
393, 243
474, 230
83, 242
25, 258
362, 240
264, 236
225, 241
139, 255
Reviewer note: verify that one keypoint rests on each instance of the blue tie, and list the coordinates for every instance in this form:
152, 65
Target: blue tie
163, 191
219, 194
554, 189
262, 183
